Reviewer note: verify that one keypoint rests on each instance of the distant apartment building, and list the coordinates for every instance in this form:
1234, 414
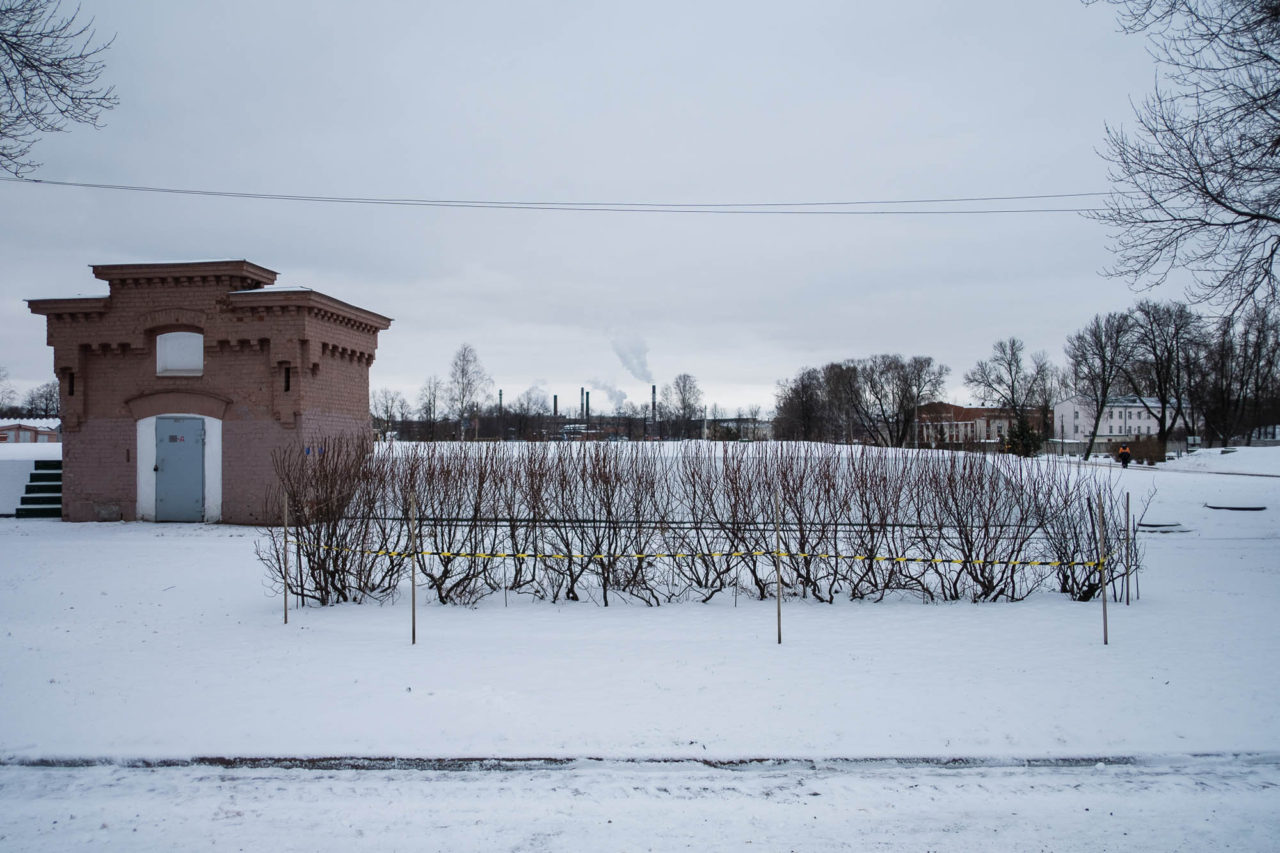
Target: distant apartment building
1124, 418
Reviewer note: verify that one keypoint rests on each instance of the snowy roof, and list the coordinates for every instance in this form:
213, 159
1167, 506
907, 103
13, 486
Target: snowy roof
1123, 401
35, 423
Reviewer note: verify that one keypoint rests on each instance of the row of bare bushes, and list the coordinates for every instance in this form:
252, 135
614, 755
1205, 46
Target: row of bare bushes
585, 521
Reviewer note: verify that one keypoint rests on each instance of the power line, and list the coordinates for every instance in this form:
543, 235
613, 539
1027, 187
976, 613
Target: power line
804, 208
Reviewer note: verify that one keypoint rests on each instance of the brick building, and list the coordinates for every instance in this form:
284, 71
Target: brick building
177, 386
949, 425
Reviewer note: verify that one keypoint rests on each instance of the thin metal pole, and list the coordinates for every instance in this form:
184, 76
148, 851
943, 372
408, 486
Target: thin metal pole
1137, 579
285, 549
298, 600
1128, 550
1102, 565
777, 556
413, 570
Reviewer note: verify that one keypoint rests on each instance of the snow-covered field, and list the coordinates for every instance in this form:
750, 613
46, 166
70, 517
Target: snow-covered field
130, 643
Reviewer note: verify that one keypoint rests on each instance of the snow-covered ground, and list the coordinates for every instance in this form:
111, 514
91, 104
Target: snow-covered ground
126, 642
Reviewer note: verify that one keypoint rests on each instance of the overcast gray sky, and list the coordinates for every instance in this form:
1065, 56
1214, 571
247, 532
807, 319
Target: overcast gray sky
654, 102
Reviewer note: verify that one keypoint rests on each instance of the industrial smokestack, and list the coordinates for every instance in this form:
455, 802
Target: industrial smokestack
653, 389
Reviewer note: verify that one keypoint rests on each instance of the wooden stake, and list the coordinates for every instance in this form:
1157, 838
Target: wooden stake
285, 549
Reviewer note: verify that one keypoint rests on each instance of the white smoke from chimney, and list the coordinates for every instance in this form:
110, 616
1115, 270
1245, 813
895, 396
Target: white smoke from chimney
633, 352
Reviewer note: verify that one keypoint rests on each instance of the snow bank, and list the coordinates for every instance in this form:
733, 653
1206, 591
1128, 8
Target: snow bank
1242, 460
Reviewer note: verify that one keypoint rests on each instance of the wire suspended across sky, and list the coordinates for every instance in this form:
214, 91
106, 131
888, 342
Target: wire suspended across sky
772, 208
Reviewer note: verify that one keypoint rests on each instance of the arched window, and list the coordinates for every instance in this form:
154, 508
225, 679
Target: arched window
180, 354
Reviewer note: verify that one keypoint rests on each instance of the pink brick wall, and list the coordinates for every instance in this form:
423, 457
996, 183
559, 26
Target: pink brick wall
104, 355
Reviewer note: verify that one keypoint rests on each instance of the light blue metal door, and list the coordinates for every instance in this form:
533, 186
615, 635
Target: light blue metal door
179, 469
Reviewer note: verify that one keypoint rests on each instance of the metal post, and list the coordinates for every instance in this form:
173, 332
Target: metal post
1102, 565
285, 549
298, 600
777, 555
412, 568
1137, 579
1128, 550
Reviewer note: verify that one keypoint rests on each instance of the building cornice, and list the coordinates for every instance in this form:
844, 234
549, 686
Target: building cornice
194, 270
312, 303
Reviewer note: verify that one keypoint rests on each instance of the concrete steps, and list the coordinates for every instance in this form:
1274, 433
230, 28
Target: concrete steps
43, 498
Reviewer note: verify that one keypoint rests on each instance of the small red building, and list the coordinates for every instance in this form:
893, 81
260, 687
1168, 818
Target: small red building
179, 383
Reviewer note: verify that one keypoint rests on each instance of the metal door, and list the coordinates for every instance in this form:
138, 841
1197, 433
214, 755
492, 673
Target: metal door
179, 469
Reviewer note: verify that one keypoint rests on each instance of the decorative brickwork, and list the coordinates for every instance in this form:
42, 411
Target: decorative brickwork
280, 366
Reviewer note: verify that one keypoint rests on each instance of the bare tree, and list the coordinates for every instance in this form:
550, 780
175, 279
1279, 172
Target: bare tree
430, 398
468, 386
386, 407
801, 412
1199, 180
888, 390
684, 400
1163, 334
1235, 371
7, 395
1098, 354
49, 72
1008, 381
871, 399
528, 411
43, 401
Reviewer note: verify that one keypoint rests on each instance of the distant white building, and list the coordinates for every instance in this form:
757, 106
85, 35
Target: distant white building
1124, 419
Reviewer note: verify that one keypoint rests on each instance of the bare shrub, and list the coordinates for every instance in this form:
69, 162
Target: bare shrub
448, 483
878, 519
336, 492
980, 522
585, 521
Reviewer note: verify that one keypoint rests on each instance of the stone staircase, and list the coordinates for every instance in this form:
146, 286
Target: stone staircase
44, 491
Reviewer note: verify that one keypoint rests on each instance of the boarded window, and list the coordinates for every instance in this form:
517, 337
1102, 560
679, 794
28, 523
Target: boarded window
180, 354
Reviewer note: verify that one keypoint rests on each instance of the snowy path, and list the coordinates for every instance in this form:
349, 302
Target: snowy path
1169, 804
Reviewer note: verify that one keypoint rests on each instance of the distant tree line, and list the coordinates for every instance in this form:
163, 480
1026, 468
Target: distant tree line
1221, 374
869, 399
40, 402
464, 407
1218, 374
